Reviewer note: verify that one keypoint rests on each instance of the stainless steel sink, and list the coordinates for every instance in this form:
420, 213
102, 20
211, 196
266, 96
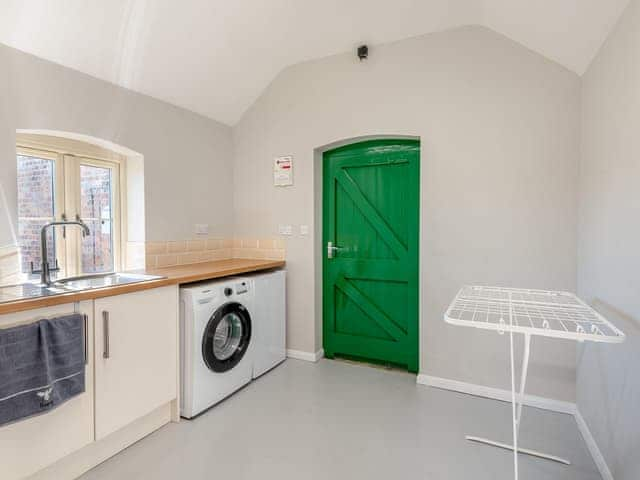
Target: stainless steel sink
26, 291
88, 282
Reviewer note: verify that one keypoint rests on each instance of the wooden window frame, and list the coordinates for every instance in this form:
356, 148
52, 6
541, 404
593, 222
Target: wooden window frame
58, 195
68, 156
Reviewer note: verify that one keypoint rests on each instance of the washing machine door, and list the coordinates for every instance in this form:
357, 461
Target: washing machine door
226, 338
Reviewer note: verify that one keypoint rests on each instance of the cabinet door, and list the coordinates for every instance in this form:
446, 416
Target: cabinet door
136, 356
34, 443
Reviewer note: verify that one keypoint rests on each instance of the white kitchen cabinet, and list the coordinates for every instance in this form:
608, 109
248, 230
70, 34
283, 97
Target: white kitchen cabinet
135, 356
135, 387
31, 444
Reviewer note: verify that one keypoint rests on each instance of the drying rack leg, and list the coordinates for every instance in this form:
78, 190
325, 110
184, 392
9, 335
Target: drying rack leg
517, 399
514, 406
526, 451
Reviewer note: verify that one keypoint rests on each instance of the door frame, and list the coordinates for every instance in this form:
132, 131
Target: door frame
319, 240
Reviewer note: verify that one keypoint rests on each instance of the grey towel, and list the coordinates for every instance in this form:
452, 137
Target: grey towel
41, 366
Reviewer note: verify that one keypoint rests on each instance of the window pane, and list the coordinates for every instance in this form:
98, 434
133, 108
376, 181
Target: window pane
96, 195
35, 207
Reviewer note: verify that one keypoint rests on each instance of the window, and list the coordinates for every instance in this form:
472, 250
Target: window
96, 207
36, 203
56, 183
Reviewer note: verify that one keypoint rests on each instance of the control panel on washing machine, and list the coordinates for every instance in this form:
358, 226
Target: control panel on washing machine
239, 288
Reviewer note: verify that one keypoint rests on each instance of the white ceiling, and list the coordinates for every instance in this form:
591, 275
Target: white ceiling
215, 57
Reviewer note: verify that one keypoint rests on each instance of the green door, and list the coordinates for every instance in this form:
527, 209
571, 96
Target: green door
370, 251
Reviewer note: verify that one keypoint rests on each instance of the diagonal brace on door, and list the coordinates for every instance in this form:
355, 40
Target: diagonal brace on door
368, 307
369, 211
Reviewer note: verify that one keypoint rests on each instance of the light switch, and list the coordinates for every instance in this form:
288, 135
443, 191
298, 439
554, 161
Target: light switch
285, 229
304, 229
202, 229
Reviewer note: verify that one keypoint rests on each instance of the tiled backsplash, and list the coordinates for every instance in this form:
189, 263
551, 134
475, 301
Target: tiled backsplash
260, 248
165, 254
184, 252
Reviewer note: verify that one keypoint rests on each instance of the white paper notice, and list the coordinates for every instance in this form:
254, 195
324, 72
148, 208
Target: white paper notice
283, 171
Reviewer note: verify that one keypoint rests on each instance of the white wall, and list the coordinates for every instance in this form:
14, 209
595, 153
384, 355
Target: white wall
608, 388
187, 158
8, 196
499, 127
135, 199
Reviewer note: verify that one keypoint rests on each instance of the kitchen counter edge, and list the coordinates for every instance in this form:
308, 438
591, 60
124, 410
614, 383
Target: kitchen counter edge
175, 275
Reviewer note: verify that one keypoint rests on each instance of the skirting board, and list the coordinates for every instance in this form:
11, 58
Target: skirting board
531, 401
496, 394
598, 458
306, 356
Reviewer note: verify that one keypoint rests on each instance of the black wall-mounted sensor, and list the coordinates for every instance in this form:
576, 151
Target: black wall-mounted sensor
363, 52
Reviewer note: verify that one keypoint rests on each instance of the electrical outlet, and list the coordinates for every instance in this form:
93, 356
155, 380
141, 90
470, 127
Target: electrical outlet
285, 229
304, 229
202, 229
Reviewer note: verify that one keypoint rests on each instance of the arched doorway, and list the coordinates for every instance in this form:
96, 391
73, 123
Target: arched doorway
371, 195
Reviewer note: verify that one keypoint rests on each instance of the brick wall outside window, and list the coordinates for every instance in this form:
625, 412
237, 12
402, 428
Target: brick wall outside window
36, 208
95, 188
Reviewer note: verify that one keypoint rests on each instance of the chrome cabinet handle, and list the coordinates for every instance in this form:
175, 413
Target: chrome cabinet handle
85, 327
105, 327
332, 249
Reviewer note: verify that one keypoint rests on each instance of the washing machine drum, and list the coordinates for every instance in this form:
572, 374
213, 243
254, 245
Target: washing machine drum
226, 338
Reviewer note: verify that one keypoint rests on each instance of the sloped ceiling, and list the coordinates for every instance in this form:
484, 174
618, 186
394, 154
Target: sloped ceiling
215, 57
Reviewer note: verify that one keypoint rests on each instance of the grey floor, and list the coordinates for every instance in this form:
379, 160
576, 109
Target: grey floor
334, 420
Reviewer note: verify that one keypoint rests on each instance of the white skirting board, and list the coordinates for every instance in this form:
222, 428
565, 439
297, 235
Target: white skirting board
306, 356
598, 458
496, 394
529, 400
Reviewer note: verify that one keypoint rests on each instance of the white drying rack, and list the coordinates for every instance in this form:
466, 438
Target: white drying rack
529, 312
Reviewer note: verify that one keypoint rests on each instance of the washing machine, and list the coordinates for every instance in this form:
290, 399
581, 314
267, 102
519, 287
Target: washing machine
217, 336
269, 321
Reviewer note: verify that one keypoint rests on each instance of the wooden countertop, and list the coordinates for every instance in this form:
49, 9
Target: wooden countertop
173, 276
196, 272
